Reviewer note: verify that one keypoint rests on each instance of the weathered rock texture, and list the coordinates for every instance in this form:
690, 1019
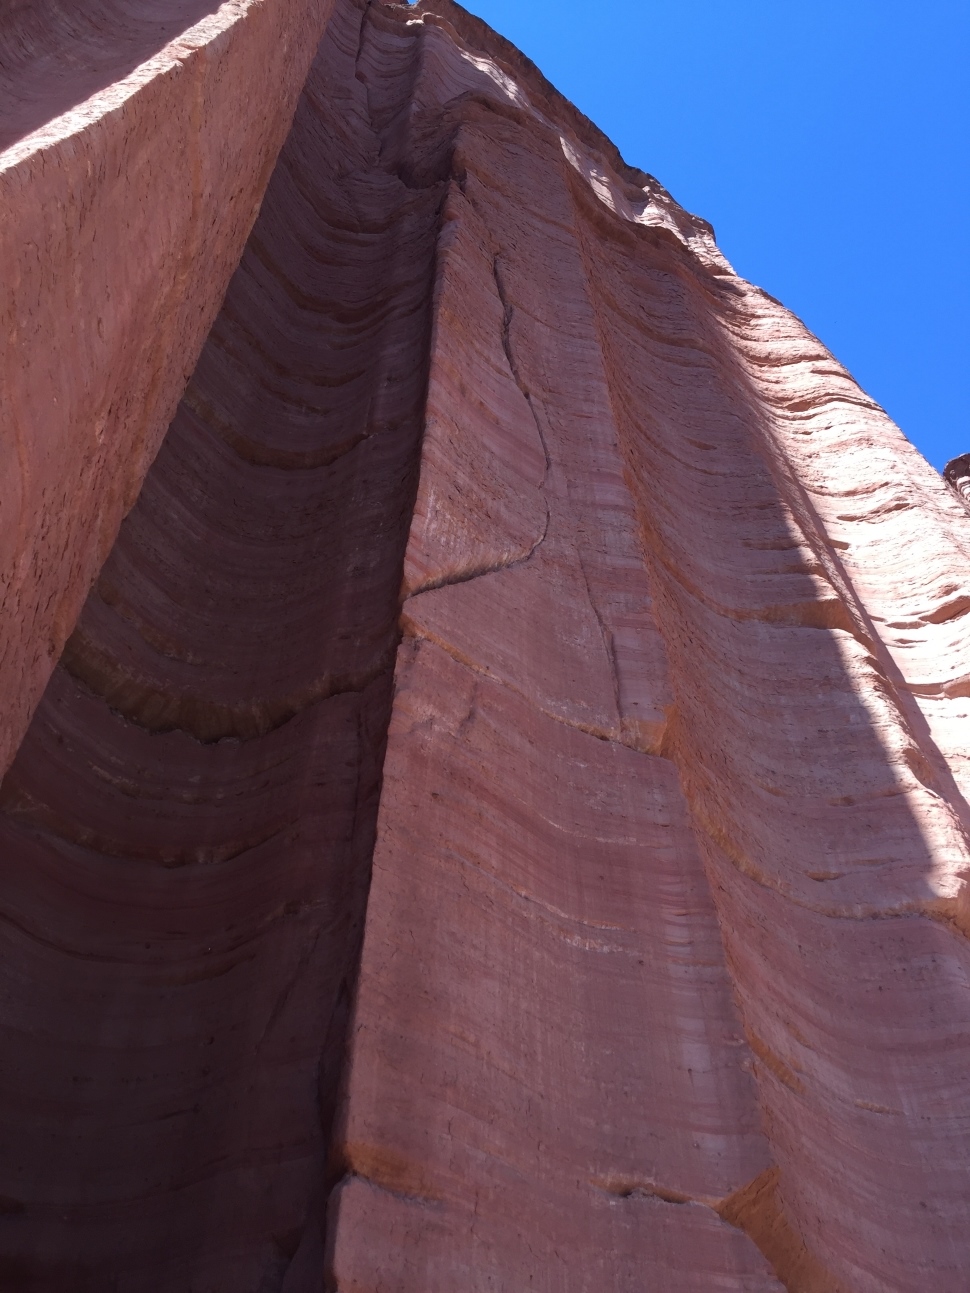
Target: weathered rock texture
520, 592
137, 140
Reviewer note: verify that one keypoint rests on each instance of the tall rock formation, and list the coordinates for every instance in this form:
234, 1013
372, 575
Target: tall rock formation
136, 141
499, 820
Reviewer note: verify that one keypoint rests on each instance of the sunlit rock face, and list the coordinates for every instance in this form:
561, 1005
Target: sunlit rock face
136, 141
499, 820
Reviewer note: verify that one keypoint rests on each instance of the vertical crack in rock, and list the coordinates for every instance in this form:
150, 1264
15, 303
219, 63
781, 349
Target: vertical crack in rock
509, 315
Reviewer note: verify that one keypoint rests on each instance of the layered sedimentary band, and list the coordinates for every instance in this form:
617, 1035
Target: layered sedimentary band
198, 791
499, 821
136, 141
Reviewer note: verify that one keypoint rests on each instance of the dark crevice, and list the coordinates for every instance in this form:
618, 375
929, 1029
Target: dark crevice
956, 473
625, 1189
509, 310
609, 643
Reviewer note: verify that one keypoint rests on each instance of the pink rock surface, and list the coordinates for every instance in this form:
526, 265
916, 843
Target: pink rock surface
492, 462
187, 829
711, 465
137, 139
577, 1073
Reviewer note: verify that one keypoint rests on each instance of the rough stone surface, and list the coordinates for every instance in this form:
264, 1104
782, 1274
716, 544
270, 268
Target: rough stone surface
957, 476
136, 141
188, 826
499, 821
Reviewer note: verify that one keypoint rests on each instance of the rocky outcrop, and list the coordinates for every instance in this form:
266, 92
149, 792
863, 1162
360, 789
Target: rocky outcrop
957, 476
499, 820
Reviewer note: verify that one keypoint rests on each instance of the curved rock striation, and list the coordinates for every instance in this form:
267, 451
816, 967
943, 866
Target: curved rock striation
197, 794
500, 818
136, 142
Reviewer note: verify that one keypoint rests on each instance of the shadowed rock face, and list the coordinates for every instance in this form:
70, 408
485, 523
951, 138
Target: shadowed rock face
55, 55
957, 476
137, 138
198, 792
499, 821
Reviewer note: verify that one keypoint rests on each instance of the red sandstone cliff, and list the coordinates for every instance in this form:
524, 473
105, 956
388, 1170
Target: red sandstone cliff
499, 821
137, 140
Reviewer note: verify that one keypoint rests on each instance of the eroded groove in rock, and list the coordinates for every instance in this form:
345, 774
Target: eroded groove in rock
696, 435
545, 1012
187, 829
136, 141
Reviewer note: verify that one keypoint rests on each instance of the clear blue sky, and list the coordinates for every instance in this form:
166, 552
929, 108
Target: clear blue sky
826, 141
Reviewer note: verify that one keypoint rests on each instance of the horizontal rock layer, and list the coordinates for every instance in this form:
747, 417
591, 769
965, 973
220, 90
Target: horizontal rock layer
492, 462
